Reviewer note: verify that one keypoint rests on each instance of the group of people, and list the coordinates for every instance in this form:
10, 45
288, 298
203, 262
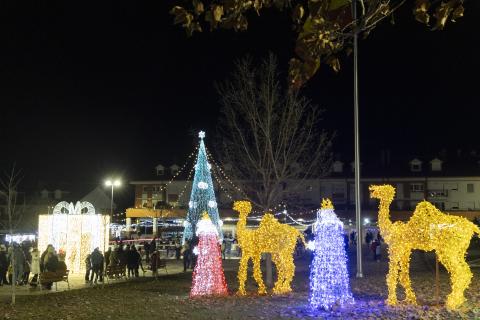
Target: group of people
19, 261
375, 244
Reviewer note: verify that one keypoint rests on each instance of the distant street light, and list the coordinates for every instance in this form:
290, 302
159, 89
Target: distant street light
112, 183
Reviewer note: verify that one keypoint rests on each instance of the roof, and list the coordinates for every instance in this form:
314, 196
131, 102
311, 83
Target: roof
99, 199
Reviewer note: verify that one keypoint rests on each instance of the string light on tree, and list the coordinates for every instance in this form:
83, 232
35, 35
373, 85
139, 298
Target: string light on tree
208, 276
329, 283
202, 195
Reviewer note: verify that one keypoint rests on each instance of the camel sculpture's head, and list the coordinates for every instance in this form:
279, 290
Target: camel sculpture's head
243, 207
382, 192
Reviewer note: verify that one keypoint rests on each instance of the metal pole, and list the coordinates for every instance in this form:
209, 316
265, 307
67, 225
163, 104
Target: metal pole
111, 205
357, 144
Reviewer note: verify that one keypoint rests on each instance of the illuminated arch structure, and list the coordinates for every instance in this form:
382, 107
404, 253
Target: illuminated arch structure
74, 229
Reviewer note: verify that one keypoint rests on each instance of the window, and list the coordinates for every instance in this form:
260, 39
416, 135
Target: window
416, 187
58, 194
160, 172
147, 189
470, 188
44, 194
416, 167
172, 197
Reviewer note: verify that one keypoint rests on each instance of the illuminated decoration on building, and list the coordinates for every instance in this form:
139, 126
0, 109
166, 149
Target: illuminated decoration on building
202, 195
74, 229
19, 238
428, 229
328, 273
208, 277
270, 237
79, 208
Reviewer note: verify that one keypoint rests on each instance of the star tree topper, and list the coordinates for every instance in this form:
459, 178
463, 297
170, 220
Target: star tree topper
201, 134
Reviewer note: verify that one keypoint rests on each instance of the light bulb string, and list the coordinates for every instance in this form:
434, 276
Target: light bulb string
229, 180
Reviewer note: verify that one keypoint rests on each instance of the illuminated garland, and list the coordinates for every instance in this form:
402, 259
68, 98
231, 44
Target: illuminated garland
428, 229
185, 185
208, 277
328, 273
227, 178
164, 187
202, 197
270, 237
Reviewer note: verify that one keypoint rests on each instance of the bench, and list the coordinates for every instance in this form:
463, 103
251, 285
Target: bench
53, 277
115, 272
161, 264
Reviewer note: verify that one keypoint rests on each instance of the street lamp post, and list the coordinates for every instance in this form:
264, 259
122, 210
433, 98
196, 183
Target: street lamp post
357, 143
112, 183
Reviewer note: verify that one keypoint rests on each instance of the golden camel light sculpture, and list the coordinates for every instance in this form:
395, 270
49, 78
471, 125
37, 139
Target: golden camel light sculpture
428, 229
270, 237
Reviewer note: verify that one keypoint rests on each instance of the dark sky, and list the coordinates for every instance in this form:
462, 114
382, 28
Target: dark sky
90, 89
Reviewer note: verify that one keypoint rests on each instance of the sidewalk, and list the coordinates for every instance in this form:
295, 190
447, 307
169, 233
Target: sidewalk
77, 281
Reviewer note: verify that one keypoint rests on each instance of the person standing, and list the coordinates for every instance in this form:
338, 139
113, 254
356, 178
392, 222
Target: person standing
88, 268
19, 263
97, 260
136, 260
178, 248
154, 263
186, 251
3, 265
107, 256
373, 247
35, 266
146, 247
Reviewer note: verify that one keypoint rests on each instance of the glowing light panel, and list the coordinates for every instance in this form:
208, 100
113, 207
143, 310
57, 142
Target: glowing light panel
76, 234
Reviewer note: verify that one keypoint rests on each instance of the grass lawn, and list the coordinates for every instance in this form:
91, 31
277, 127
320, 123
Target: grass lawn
167, 298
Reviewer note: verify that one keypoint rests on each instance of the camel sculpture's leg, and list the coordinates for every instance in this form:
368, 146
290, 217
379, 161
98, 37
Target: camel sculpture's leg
280, 272
405, 278
242, 274
460, 277
392, 278
289, 271
257, 274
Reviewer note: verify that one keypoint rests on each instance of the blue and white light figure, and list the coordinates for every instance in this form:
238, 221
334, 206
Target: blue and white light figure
202, 198
329, 281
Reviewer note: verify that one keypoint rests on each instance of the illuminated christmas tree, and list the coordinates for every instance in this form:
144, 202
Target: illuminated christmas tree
208, 277
202, 197
329, 283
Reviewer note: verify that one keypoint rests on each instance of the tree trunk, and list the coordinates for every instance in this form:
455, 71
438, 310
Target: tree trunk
269, 270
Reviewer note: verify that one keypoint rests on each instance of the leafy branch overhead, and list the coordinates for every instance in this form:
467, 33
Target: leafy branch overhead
325, 27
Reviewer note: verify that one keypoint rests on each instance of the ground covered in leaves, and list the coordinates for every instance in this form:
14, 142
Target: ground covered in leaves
167, 298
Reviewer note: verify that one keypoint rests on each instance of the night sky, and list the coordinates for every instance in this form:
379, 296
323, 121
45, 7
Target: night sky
91, 89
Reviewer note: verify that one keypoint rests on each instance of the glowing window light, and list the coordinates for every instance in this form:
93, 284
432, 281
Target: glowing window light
75, 233
329, 282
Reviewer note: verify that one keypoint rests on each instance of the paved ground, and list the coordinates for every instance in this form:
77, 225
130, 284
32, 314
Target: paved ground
77, 281
167, 298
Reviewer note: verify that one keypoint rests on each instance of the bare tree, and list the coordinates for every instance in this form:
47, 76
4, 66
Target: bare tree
271, 136
9, 192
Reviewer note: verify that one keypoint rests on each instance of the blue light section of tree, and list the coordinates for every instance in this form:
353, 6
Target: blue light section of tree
202, 197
